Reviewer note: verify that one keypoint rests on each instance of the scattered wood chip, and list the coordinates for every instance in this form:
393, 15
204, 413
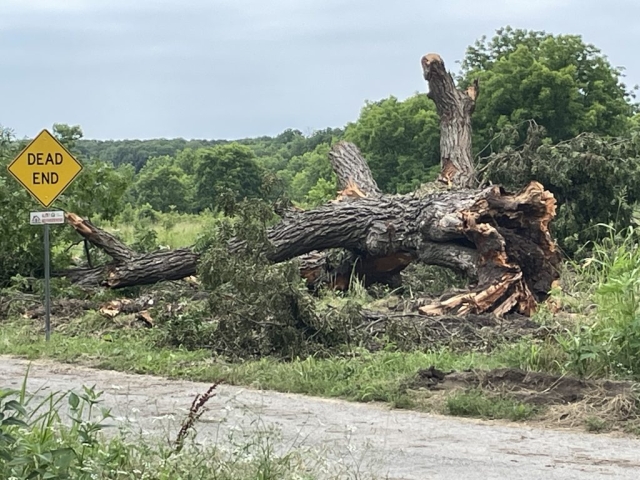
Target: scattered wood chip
145, 316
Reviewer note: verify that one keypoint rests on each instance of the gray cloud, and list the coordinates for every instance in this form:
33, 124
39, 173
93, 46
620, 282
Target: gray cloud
236, 68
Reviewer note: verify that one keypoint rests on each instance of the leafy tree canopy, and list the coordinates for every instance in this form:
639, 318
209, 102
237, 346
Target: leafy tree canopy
595, 179
400, 140
559, 81
97, 192
230, 167
164, 185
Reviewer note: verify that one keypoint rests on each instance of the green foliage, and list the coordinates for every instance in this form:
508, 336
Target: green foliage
536, 355
145, 238
188, 326
36, 443
400, 140
322, 192
310, 177
360, 375
226, 168
262, 308
172, 229
164, 185
21, 246
475, 403
595, 180
97, 192
68, 135
610, 344
137, 152
595, 424
560, 82
419, 279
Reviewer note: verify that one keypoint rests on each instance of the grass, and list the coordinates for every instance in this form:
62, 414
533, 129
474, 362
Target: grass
361, 376
475, 403
605, 342
595, 424
174, 230
35, 442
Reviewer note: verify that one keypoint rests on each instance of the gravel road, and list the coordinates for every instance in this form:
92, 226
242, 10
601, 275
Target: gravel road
365, 438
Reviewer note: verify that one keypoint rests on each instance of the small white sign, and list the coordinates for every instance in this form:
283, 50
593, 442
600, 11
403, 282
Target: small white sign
52, 217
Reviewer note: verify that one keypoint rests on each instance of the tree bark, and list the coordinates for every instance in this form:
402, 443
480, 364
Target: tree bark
500, 238
354, 175
101, 239
454, 108
128, 267
145, 269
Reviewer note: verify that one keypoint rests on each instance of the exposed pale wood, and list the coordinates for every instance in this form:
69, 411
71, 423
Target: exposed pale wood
488, 233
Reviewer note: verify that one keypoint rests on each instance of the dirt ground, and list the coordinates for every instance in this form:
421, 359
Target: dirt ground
361, 440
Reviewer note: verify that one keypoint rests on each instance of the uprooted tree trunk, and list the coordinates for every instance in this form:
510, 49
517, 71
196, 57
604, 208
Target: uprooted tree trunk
500, 240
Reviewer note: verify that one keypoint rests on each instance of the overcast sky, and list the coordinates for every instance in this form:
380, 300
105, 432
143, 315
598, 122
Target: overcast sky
242, 68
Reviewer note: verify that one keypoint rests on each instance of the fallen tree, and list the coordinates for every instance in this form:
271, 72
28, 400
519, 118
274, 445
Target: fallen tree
500, 240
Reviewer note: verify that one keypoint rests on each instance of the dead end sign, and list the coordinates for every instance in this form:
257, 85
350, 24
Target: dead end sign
45, 168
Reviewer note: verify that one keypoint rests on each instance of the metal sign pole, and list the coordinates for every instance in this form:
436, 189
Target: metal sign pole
47, 293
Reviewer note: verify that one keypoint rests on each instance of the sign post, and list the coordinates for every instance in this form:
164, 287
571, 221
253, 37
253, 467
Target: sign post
45, 169
47, 288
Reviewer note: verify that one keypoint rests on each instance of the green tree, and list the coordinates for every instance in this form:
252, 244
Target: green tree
304, 171
400, 140
67, 135
99, 190
186, 160
320, 193
595, 180
559, 81
21, 245
226, 167
162, 183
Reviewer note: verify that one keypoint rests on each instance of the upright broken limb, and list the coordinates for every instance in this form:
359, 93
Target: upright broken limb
454, 108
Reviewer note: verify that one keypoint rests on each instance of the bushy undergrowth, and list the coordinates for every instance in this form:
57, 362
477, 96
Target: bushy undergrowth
608, 342
255, 308
599, 319
61, 436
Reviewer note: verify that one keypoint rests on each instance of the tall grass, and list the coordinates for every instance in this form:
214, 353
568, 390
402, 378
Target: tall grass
171, 229
608, 340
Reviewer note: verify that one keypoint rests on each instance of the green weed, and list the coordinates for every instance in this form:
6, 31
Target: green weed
595, 424
359, 375
475, 403
610, 342
37, 443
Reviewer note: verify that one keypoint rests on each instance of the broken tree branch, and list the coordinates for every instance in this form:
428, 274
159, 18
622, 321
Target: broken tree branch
454, 108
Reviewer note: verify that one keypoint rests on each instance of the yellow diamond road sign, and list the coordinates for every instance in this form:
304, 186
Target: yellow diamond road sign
45, 168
